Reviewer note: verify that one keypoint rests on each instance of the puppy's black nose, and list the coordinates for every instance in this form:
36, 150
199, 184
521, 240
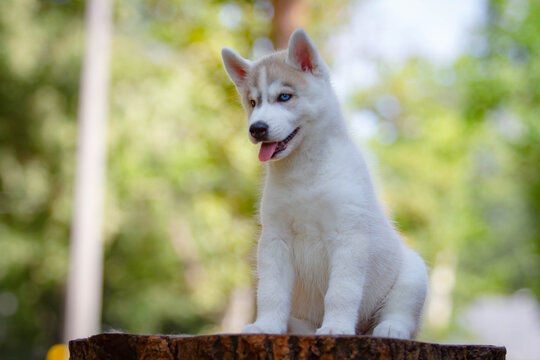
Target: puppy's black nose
258, 130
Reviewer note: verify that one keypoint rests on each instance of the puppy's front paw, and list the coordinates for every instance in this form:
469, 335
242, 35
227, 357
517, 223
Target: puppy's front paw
261, 328
252, 329
334, 330
392, 329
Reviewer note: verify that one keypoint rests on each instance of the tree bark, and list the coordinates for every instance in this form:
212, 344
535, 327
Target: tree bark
127, 347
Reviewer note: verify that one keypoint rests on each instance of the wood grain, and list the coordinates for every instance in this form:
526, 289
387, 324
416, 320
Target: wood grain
130, 347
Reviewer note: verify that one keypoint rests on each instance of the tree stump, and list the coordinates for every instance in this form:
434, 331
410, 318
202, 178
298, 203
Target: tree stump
156, 347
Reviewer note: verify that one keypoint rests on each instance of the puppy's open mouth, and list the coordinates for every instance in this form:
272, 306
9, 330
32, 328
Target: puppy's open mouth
270, 149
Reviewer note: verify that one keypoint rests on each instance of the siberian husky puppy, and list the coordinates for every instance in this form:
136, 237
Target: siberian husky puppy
329, 261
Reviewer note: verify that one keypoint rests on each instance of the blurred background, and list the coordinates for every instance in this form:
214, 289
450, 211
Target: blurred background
444, 98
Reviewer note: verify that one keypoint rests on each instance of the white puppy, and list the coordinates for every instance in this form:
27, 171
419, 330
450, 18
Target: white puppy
329, 260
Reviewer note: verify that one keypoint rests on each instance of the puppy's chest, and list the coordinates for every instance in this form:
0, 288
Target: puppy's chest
304, 210
309, 253
306, 224
306, 217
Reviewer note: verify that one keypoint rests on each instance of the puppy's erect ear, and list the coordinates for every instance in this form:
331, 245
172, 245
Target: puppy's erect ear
303, 54
237, 67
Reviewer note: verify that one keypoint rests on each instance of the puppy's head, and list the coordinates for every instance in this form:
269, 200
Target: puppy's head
279, 93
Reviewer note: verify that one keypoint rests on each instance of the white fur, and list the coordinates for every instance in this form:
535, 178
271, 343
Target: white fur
329, 260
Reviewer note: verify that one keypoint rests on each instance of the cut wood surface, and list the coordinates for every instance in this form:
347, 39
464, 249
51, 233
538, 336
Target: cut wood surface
156, 347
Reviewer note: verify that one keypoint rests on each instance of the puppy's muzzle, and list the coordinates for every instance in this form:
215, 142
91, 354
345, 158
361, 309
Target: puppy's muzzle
259, 130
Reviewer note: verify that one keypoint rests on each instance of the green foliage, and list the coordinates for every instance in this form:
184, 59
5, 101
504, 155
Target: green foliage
38, 85
181, 184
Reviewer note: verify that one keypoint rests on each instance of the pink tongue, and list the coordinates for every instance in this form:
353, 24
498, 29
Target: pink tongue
267, 150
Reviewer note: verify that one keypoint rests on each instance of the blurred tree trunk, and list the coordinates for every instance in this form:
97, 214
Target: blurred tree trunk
84, 288
288, 15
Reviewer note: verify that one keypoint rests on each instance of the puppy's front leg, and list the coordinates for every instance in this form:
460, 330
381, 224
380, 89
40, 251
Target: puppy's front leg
345, 288
276, 280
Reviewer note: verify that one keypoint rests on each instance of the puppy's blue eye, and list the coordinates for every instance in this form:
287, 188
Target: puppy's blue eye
284, 97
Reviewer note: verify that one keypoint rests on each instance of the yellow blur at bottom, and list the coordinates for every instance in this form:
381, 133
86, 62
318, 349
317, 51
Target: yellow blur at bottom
58, 352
